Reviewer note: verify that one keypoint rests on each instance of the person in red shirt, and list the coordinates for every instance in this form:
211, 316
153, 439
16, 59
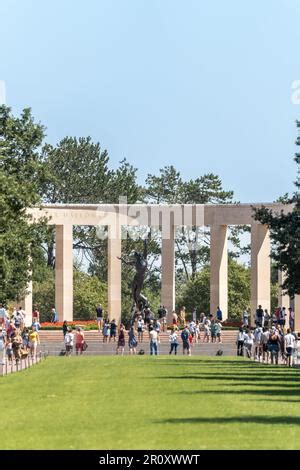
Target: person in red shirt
36, 315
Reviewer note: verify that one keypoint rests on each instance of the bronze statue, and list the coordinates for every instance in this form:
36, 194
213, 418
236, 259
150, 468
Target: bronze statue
139, 261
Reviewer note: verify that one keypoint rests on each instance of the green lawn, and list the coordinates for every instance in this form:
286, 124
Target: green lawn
147, 402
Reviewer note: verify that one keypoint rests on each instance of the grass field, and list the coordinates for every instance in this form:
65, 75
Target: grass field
147, 402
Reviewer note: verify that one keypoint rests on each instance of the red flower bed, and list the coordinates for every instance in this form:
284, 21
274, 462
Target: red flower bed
71, 323
85, 324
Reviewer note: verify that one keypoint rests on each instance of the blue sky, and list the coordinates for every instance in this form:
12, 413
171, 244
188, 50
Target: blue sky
205, 86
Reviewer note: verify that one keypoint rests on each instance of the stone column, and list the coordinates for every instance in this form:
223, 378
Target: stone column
26, 304
218, 270
297, 312
260, 268
283, 297
167, 297
114, 272
64, 272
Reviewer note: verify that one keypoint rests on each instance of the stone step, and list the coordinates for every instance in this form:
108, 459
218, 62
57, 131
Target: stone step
110, 349
94, 336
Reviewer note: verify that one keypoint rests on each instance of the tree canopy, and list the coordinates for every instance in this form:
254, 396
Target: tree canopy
21, 174
285, 233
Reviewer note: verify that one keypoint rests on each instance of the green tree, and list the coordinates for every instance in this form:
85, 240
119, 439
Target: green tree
196, 292
89, 292
21, 174
285, 234
192, 243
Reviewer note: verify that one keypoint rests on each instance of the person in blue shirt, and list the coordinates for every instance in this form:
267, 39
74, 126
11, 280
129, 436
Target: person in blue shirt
219, 314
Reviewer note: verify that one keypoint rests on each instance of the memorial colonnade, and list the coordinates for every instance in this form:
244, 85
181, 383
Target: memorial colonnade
167, 218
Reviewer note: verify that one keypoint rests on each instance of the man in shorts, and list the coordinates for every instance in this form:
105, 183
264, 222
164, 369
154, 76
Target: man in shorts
289, 346
186, 347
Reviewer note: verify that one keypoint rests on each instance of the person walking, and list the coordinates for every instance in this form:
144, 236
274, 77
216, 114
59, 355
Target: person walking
69, 341
173, 342
54, 316
289, 346
140, 328
240, 340
291, 319
65, 328
186, 347
132, 341
79, 341
99, 317
121, 340
267, 319
3, 315
273, 345
218, 331
153, 341
249, 340
259, 315
219, 315
245, 318
113, 330
34, 340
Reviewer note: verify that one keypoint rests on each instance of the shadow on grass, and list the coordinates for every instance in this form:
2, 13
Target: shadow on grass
279, 400
270, 420
269, 392
240, 380
210, 364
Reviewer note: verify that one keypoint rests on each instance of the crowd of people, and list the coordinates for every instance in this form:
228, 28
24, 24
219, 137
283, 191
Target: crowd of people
146, 325
273, 338
16, 339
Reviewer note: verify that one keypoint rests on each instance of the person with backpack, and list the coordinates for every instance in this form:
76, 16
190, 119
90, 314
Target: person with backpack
69, 341
132, 341
273, 345
185, 341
